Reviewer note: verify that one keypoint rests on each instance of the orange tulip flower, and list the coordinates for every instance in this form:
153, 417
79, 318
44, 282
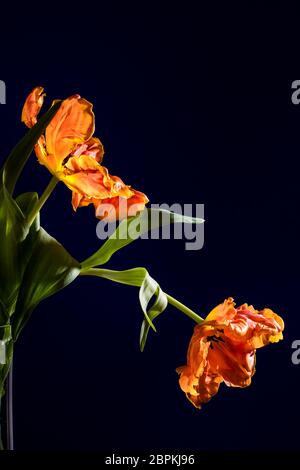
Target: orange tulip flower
223, 349
71, 153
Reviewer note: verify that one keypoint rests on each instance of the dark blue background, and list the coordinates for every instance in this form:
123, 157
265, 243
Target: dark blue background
190, 110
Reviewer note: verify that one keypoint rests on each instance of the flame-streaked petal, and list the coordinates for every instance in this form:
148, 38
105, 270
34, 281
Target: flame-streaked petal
86, 176
222, 311
72, 126
89, 183
32, 106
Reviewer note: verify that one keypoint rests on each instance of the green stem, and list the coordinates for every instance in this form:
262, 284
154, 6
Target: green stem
187, 311
37, 207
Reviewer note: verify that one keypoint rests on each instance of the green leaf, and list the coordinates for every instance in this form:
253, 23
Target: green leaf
149, 289
26, 202
33, 265
18, 157
15, 248
49, 269
12, 232
132, 228
130, 277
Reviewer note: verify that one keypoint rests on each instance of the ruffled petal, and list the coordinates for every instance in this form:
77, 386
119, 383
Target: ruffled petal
224, 311
268, 313
72, 126
199, 381
32, 106
93, 148
86, 176
196, 362
232, 363
89, 183
268, 328
208, 386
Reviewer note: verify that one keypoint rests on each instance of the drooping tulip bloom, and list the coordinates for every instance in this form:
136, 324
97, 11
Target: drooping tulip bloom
223, 349
71, 153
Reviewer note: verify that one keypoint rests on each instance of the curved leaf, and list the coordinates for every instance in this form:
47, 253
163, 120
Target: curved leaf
132, 228
12, 232
26, 202
15, 248
49, 269
149, 289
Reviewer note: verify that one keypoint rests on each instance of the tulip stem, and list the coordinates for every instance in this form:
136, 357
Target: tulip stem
103, 273
37, 207
187, 311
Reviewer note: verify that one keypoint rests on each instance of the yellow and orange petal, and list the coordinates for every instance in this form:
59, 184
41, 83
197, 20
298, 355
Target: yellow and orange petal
222, 311
208, 386
196, 362
112, 208
90, 184
86, 176
40, 150
72, 126
32, 106
277, 336
198, 379
254, 328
